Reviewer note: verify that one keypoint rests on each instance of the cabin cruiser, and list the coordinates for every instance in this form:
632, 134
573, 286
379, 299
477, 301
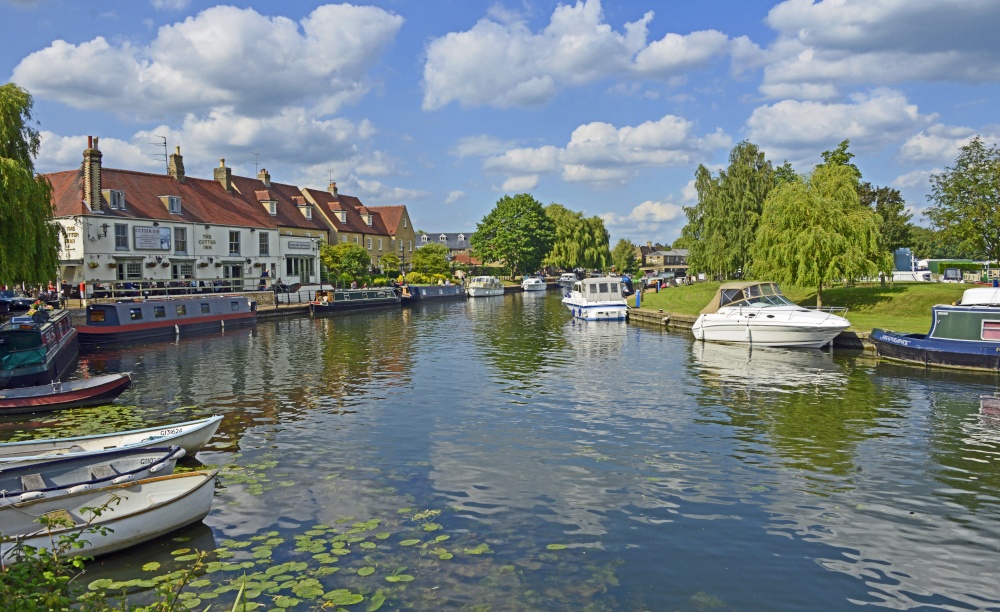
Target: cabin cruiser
567, 279
480, 286
758, 313
597, 299
962, 335
533, 283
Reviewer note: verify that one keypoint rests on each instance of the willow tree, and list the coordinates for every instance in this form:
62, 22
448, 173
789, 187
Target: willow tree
722, 226
816, 230
580, 242
29, 241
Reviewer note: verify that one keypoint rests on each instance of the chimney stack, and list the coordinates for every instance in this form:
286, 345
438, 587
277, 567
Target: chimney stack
224, 175
264, 177
649, 244
92, 175
333, 189
176, 167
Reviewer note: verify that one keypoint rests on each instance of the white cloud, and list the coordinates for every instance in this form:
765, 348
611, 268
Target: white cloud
605, 155
58, 153
939, 144
222, 57
169, 5
501, 62
824, 44
375, 192
520, 184
915, 179
454, 196
800, 131
479, 146
654, 221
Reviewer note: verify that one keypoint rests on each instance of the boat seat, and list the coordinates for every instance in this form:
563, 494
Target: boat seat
100, 472
32, 482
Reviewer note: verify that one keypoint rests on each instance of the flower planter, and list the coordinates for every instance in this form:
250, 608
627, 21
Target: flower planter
165, 264
218, 264
112, 265
150, 264
93, 264
203, 264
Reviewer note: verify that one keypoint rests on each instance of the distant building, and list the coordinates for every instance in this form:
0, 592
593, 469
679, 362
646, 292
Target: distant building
670, 261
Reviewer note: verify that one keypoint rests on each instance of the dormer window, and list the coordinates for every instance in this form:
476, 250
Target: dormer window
368, 219
423, 238
173, 204
307, 211
271, 206
342, 216
443, 238
115, 198
461, 237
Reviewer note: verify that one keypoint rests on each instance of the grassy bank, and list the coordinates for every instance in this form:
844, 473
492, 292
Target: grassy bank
904, 307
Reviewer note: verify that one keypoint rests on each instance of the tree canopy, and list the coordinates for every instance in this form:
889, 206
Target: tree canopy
966, 199
722, 226
389, 262
888, 204
517, 233
580, 242
815, 230
29, 241
432, 258
623, 257
345, 259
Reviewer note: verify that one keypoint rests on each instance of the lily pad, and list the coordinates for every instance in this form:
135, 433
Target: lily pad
366, 571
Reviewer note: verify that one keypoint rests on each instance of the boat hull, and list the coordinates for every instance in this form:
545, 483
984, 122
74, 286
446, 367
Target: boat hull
598, 311
148, 509
69, 394
190, 436
485, 291
737, 332
417, 293
923, 350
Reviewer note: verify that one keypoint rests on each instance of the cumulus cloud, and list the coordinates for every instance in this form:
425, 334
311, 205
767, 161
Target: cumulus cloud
654, 221
454, 196
65, 152
501, 62
520, 184
800, 130
479, 146
939, 144
824, 44
603, 155
224, 56
171, 5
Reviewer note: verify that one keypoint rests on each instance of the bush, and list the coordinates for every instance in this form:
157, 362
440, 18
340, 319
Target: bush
416, 278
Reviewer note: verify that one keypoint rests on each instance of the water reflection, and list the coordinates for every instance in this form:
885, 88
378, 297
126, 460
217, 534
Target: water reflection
749, 368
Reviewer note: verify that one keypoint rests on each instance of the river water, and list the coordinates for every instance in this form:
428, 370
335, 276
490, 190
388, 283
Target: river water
495, 454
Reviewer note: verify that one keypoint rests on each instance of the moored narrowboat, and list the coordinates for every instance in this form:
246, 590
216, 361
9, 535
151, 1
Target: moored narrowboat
139, 319
37, 350
419, 293
328, 302
962, 335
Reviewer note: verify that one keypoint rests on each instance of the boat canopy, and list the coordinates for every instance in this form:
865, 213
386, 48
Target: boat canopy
981, 296
603, 289
746, 293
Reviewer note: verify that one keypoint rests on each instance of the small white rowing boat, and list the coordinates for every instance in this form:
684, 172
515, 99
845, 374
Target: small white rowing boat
190, 436
87, 471
132, 513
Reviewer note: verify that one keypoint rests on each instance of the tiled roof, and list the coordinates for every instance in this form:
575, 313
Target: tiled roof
353, 207
253, 191
453, 240
391, 216
202, 201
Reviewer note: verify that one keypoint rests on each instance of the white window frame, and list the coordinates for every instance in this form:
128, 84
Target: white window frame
174, 204
234, 234
121, 237
264, 245
180, 240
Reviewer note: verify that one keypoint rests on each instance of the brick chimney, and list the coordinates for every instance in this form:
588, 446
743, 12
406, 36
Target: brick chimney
264, 177
332, 188
176, 167
224, 175
92, 175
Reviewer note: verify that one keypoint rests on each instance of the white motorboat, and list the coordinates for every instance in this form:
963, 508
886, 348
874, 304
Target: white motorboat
480, 286
88, 471
597, 299
132, 513
190, 436
567, 279
758, 313
533, 283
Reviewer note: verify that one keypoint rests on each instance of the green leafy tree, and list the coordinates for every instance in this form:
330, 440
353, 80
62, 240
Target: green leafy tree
723, 225
432, 258
29, 241
785, 173
966, 199
623, 257
816, 230
928, 243
345, 259
389, 262
889, 205
517, 233
580, 242
842, 157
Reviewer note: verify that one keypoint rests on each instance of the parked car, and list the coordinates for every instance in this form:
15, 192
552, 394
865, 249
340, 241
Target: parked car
12, 301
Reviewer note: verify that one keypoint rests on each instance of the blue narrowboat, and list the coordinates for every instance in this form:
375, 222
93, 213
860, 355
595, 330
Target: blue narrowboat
145, 319
962, 335
37, 350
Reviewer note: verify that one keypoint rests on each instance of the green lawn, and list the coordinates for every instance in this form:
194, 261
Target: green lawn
903, 307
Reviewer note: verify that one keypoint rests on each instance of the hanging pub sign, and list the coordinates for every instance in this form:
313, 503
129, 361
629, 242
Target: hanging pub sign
151, 238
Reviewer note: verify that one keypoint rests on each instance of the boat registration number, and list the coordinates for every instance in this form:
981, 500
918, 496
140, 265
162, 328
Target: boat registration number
170, 432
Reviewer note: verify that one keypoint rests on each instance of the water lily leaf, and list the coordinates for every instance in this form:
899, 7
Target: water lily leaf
186, 558
399, 578
368, 545
284, 601
152, 566
556, 547
442, 538
366, 571
343, 597
409, 542
376, 601
383, 535
445, 556
180, 551
479, 550
97, 585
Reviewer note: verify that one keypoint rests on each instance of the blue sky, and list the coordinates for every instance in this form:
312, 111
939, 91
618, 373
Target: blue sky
604, 106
